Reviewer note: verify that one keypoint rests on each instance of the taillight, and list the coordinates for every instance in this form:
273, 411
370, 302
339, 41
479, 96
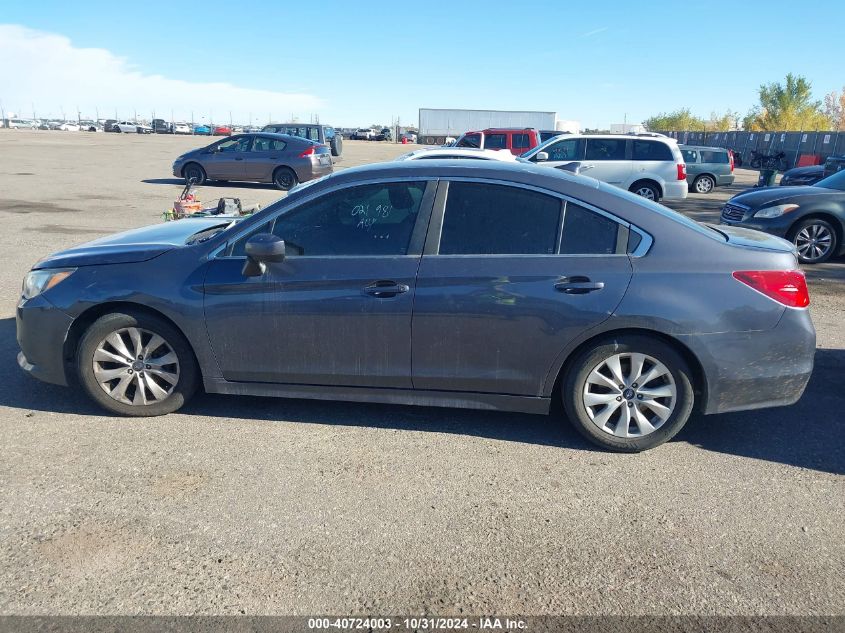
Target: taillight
788, 287
308, 152
731, 159
682, 171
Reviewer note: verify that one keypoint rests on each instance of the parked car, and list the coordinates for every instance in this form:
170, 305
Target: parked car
88, 125
363, 134
132, 126
514, 287
108, 125
384, 135
202, 129
69, 126
809, 175
222, 130
707, 167
833, 164
181, 128
277, 158
22, 124
441, 153
324, 134
545, 135
516, 140
812, 218
650, 166
410, 137
160, 126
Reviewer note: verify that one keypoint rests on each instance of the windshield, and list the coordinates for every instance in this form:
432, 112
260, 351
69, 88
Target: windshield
836, 181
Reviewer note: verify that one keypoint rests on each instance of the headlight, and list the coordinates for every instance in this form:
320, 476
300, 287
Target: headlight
775, 211
38, 281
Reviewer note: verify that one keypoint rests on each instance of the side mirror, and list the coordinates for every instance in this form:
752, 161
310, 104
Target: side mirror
574, 167
262, 249
541, 157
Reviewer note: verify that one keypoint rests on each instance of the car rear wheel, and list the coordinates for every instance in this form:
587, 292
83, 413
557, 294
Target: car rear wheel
703, 184
816, 241
284, 178
628, 393
136, 364
646, 190
195, 173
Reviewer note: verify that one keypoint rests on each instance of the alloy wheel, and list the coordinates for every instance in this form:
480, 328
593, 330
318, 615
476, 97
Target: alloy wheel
814, 242
135, 366
629, 395
703, 185
645, 192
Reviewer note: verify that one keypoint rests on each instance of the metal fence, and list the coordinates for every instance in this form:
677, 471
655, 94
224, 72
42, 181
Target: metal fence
818, 145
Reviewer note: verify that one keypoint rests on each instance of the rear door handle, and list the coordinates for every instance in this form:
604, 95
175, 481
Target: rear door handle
578, 285
385, 289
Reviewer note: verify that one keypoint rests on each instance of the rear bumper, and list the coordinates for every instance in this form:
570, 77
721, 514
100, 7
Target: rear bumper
675, 190
754, 370
41, 330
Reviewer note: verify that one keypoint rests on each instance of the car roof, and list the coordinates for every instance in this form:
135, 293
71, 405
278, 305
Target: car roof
283, 137
709, 148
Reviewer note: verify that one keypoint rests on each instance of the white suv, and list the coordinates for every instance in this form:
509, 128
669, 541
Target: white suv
650, 165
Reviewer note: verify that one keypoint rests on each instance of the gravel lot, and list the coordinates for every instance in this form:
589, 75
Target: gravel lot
250, 505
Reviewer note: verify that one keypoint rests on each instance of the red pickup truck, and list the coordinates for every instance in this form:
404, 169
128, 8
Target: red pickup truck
517, 140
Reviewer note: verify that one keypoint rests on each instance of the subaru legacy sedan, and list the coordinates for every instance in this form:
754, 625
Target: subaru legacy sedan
280, 159
441, 283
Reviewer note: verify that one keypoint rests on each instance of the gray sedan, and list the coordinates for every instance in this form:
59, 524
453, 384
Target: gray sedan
440, 283
265, 157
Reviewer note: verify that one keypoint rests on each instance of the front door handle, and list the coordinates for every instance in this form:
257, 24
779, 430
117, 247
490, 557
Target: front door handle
578, 285
385, 289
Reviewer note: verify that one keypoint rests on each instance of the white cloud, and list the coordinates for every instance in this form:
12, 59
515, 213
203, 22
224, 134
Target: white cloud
47, 71
595, 31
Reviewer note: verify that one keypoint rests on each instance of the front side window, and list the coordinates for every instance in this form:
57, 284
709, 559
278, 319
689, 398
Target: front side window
605, 149
587, 233
569, 149
690, 155
470, 140
239, 144
485, 219
366, 220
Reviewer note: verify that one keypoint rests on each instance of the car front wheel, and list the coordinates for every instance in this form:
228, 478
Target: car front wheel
136, 364
628, 393
194, 173
815, 240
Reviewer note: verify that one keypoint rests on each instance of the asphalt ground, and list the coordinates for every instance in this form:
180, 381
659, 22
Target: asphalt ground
267, 506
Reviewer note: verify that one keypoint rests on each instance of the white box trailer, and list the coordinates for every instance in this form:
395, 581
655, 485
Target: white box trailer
436, 124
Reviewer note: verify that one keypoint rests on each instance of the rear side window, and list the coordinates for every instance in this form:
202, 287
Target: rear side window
495, 141
605, 149
708, 156
651, 150
265, 144
520, 141
483, 219
587, 233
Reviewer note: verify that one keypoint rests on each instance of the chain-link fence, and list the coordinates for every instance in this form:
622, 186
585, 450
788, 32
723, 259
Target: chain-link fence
801, 148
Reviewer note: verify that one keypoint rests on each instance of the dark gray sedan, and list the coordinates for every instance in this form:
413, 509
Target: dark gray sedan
440, 283
277, 158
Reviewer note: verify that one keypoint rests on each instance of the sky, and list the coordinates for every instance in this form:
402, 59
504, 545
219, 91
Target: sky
360, 63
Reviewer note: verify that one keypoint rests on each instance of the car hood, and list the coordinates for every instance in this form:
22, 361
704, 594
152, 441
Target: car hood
811, 170
137, 245
765, 196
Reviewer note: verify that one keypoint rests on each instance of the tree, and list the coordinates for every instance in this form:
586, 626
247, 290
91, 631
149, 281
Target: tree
834, 109
679, 121
788, 106
723, 122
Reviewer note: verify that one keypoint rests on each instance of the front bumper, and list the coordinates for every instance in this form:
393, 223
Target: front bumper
754, 370
42, 330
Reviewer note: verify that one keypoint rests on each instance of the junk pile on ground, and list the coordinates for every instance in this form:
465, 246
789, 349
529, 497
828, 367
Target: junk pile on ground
188, 205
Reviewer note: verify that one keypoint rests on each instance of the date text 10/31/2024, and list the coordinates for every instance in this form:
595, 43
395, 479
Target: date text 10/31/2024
483, 623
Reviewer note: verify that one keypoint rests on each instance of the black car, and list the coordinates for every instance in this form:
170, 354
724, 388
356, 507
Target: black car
812, 218
160, 126
809, 175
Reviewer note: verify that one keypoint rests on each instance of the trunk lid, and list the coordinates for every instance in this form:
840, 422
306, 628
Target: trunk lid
749, 238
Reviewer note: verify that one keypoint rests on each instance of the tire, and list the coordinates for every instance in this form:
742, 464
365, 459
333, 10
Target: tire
284, 178
134, 390
117, 129
644, 427
195, 172
815, 239
756, 163
704, 184
336, 146
646, 190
